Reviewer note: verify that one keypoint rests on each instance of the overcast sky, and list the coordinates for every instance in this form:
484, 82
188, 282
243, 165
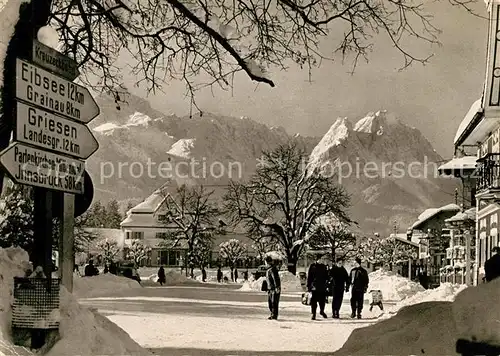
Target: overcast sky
434, 98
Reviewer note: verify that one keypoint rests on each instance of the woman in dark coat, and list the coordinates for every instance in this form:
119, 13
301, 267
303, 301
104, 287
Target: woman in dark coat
161, 276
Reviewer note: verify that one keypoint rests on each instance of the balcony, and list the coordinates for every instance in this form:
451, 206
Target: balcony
488, 176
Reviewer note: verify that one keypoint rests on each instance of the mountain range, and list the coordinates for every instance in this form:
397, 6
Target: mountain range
387, 167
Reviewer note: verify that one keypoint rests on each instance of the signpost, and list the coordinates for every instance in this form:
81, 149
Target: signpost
54, 61
41, 88
48, 131
38, 168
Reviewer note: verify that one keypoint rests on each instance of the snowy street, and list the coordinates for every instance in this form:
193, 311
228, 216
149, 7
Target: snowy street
219, 320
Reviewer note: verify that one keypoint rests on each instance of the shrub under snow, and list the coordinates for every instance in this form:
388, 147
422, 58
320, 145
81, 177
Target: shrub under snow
393, 286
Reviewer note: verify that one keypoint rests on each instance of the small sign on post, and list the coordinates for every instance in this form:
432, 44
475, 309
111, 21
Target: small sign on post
54, 61
41, 88
31, 166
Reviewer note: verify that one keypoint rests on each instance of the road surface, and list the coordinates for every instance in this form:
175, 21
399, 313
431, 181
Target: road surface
216, 320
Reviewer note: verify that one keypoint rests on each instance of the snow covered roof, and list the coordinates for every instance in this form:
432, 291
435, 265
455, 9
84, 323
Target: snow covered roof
404, 238
430, 213
150, 205
469, 214
458, 164
468, 122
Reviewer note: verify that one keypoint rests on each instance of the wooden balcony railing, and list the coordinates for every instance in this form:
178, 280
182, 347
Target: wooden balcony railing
488, 172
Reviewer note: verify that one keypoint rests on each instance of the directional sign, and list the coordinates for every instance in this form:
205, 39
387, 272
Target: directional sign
54, 61
42, 129
38, 87
31, 166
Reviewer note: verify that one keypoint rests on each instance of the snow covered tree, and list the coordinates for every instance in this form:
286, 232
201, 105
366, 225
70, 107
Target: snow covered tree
16, 226
108, 250
263, 244
232, 251
371, 250
113, 216
335, 237
137, 252
386, 252
194, 217
202, 251
284, 198
396, 251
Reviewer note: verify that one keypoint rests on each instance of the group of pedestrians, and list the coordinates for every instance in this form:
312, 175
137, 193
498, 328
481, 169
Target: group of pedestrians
323, 282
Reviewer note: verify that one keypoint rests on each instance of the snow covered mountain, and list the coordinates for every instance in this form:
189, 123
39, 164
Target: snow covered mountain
141, 147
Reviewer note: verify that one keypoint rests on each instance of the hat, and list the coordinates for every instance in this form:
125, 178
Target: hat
358, 260
495, 249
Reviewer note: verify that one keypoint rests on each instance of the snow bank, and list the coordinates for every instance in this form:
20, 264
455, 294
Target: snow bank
433, 328
289, 283
393, 286
103, 284
82, 331
425, 328
13, 263
476, 312
85, 332
173, 277
446, 292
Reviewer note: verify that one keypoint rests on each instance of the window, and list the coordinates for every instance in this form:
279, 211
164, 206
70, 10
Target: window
137, 235
161, 235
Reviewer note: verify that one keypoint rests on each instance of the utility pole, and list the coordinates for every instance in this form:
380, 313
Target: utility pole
467, 236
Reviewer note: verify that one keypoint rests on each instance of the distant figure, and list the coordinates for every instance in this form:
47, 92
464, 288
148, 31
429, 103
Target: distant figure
219, 275
226, 279
359, 283
273, 288
203, 275
317, 279
91, 270
232, 275
377, 299
76, 269
113, 268
339, 282
236, 275
245, 275
492, 265
106, 269
162, 279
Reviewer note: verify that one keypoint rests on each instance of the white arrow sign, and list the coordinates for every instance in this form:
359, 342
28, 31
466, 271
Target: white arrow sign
41, 88
42, 129
31, 166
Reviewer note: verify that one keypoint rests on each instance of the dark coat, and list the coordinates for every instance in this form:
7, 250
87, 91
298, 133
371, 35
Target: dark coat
273, 279
339, 278
492, 268
161, 275
359, 279
317, 277
91, 270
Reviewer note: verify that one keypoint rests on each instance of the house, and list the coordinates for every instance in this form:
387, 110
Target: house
480, 129
408, 268
461, 251
144, 222
434, 240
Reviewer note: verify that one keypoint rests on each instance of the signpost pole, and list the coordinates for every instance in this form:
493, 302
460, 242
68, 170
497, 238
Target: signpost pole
66, 250
42, 246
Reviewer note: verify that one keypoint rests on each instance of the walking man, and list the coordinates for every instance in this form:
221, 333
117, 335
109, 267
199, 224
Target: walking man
359, 283
340, 282
317, 279
273, 287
